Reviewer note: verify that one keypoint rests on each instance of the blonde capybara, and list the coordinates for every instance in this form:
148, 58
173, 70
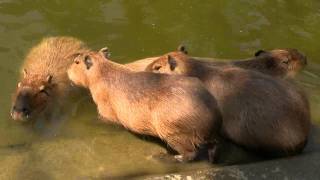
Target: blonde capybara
44, 83
282, 63
177, 109
261, 113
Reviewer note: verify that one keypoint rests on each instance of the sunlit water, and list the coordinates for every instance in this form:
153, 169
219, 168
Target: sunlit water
84, 147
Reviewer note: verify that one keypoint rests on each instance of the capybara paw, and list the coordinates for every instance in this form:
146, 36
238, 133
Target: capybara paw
185, 157
165, 158
179, 158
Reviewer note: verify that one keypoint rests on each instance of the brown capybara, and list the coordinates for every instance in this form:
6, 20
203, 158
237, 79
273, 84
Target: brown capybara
44, 82
261, 113
283, 63
177, 109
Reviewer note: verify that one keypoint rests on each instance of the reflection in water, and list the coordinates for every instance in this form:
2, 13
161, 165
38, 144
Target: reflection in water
83, 146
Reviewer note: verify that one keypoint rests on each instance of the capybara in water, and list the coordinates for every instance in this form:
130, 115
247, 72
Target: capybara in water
44, 82
259, 112
283, 63
177, 109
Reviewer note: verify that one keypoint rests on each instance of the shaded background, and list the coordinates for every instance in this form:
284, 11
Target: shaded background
84, 147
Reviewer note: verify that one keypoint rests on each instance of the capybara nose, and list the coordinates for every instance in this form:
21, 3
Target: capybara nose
25, 111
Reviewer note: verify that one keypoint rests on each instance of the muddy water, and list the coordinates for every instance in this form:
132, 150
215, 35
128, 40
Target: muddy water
82, 146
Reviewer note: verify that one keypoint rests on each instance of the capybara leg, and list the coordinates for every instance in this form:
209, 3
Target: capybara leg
213, 154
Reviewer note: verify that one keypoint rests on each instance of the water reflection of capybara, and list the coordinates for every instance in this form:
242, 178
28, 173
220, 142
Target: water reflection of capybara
44, 82
284, 63
259, 112
177, 109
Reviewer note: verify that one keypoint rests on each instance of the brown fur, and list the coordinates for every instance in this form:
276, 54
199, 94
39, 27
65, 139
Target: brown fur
283, 63
44, 81
259, 112
177, 109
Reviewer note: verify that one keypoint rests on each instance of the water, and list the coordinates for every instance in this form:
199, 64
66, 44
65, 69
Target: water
85, 147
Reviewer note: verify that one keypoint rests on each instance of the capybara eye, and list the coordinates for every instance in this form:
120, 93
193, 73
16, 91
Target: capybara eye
42, 89
285, 61
88, 62
87, 58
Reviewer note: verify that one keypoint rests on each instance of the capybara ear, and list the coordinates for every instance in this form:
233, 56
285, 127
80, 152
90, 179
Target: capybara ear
156, 67
105, 52
258, 53
183, 49
285, 60
25, 73
88, 62
172, 62
49, 79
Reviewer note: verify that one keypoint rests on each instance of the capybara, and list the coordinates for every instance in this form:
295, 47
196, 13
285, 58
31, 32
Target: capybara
177, 109
259, 112
283, 63
44, 83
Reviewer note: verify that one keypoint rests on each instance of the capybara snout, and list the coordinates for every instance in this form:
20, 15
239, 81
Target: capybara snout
21, 108
31, 98
77, 71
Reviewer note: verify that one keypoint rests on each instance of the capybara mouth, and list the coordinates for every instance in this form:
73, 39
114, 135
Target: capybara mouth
20, 116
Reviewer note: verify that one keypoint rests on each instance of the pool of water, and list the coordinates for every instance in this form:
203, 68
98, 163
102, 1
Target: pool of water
83, 146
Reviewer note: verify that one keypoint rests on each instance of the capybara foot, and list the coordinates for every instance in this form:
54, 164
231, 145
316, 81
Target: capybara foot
165, 158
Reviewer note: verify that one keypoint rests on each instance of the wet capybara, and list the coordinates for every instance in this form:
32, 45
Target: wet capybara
283, 63
177, 109
44, 83
259, 112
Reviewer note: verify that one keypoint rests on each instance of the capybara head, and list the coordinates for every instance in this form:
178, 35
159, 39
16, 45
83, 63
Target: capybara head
78, 72
32, 96
171, 63
285, 61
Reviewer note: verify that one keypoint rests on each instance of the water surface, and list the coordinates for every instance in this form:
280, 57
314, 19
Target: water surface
85, 147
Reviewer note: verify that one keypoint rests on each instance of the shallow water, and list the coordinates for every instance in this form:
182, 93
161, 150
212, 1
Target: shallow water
83, 146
